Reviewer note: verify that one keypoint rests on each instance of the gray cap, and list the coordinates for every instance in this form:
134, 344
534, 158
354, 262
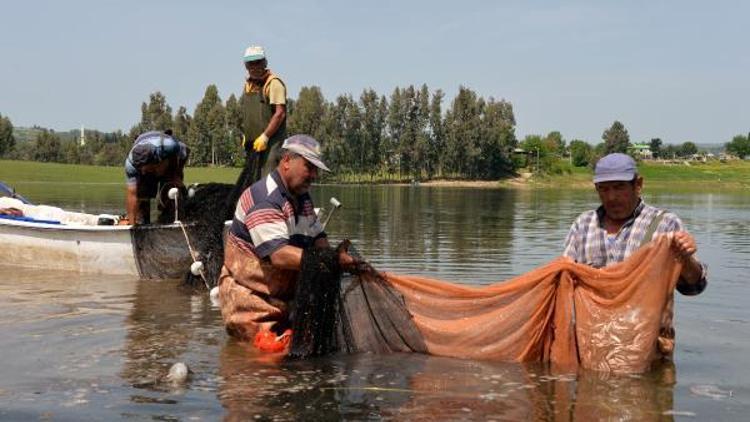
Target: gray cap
307, 147
616, 167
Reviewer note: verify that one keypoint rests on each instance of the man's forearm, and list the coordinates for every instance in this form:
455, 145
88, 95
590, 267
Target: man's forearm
692, 271
276, 120
131, 204
287, 257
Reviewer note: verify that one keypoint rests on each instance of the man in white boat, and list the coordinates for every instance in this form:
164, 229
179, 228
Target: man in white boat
156, 160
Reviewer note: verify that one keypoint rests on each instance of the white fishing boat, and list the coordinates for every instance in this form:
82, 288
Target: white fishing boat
53, 239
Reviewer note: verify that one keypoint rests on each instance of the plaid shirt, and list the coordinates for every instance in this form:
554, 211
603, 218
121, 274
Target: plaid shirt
589, 243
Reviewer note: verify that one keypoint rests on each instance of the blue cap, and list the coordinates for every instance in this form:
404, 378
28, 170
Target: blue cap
152, 147
616, 167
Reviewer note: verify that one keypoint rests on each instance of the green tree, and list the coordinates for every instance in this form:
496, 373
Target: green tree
687, 149
538, 153
94, 143
330, 135
108, 155
671, 151
419, 131
655, 147
739, 146
47, 147
207, 136
156, 115
437, 131
463, 130
181, 124
413, 143
351, 135
122, 143
555, 143
70, 151
308, 112
581, 153
374, 111
233, 115
397, 109
340, 132
7, 141
497, 140
616, 138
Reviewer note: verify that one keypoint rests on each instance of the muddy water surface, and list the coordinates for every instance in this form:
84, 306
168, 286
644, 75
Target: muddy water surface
81, 347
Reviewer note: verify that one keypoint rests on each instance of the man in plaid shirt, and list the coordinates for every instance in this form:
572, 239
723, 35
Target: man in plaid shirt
623, 223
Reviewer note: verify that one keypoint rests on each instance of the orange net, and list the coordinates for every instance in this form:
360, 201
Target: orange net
616, 319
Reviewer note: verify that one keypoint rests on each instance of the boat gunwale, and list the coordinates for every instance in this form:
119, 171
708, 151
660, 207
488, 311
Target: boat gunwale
84, 228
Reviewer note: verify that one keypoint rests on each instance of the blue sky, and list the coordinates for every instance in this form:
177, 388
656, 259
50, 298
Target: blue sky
671, 69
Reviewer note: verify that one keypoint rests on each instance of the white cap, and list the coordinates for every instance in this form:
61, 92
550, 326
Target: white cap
307, 147
254, 52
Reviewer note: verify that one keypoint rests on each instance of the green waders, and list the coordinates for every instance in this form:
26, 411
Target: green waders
256, 114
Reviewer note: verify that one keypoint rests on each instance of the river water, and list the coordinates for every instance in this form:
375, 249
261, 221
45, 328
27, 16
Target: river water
81, 347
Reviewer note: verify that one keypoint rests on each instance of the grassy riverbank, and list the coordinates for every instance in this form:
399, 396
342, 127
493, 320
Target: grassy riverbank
695, 176
34, 172
712, 176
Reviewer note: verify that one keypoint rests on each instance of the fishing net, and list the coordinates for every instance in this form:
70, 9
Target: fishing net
616, 319
315, 314
160, 253
204, 215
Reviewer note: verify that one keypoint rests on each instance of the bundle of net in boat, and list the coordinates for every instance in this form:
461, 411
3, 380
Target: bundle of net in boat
360, 312
204, 215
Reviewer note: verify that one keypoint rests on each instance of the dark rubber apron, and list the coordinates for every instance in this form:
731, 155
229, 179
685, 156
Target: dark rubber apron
256, 114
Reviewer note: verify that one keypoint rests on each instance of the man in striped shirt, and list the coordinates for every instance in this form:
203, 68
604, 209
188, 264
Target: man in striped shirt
623, 223
274, 222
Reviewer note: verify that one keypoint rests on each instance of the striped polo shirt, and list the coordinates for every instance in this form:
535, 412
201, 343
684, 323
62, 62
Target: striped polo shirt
268, 217
589, 243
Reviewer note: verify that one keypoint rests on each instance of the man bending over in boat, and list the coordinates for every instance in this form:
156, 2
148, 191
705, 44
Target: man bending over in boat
274, 221
156, 159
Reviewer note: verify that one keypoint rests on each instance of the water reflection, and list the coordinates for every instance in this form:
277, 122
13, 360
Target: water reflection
167, 324
160, 328
76, 345
418, 387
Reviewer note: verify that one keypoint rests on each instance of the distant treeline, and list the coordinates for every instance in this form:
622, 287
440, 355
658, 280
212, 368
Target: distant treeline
405, 136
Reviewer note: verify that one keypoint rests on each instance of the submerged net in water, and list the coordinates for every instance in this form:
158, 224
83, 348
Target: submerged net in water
616, 319
315, 314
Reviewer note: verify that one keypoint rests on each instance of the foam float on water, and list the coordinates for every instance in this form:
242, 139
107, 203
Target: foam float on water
712, 391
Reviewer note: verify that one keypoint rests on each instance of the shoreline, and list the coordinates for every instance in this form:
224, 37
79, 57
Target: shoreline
710, 177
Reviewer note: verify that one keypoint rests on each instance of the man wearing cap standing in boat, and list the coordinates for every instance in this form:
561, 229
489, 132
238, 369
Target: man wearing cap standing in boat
156, 159
263, 107
623, 223
274, 222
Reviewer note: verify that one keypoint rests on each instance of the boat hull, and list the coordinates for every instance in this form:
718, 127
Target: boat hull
157, 251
